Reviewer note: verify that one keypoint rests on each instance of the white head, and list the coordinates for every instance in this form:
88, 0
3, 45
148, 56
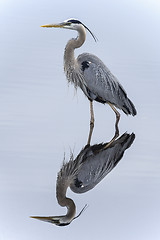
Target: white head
72, 24
60, 220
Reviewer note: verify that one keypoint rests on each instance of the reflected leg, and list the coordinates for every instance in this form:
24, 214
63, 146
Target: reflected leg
91, 123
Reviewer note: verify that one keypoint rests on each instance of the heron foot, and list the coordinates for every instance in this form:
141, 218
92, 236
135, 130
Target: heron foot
112, 140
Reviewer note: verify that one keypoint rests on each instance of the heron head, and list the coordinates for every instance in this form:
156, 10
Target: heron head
60, 220
72, 24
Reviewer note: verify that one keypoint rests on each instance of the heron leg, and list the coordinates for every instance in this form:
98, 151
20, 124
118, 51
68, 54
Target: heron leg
91, 123
117, 120
116, 125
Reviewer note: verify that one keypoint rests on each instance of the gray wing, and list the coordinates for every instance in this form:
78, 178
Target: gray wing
101, 85
97, 162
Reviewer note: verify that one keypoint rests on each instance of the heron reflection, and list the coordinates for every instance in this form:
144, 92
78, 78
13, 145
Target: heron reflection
91, 165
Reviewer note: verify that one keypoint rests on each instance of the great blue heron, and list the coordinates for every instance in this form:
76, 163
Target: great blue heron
82, 174
90, 74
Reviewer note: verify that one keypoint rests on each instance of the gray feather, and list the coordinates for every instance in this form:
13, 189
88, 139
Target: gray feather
97, 161
101, 84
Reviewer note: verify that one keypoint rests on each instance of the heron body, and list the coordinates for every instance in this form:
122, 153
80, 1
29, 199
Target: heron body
91, 165
90, 74
103, 86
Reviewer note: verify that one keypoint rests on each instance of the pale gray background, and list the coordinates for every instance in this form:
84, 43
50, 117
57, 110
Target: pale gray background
41, 118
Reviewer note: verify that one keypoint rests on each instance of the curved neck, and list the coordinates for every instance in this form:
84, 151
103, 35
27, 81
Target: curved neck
71, 208
65, 202
69, 59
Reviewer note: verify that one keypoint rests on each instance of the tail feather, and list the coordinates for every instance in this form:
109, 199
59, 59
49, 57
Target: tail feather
125, 140
129, 107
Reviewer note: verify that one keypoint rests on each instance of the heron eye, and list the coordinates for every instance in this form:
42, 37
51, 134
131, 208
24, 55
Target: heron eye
68, 23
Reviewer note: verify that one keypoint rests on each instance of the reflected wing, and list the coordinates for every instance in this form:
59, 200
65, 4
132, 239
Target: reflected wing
96, 164
101, 85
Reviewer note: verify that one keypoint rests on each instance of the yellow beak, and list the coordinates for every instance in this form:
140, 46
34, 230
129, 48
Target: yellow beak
46, 219
60, 25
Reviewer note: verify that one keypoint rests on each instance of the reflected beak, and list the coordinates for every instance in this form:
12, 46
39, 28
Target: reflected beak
54, 220
47, 219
